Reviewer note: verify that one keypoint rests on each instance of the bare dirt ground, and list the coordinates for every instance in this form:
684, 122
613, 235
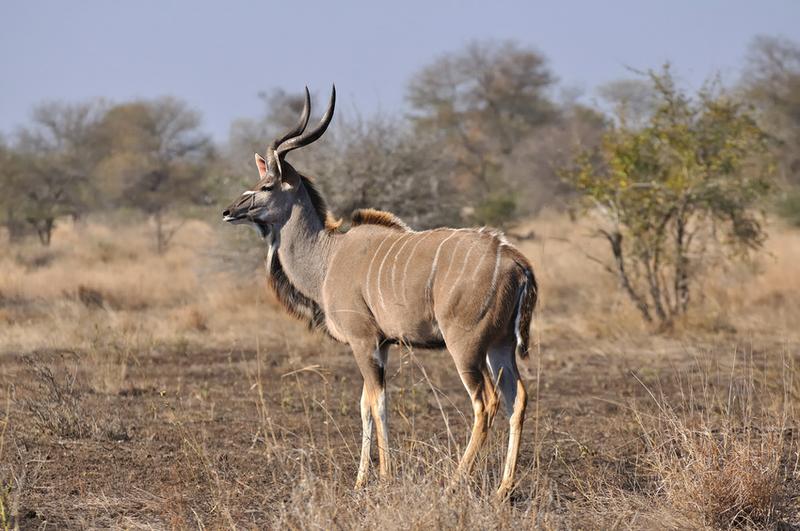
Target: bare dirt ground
141, 391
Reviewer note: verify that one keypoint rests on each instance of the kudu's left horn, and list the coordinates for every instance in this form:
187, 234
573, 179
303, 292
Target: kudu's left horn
310, 136
273, 164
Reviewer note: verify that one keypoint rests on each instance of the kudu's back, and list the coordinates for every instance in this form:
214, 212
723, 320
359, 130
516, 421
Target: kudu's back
427, 288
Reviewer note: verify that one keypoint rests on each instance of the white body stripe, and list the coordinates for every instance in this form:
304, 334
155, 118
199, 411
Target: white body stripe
452, 259
380, 270
464, 264
368, 294
493, 285
480, 263
429, 284
394, 263
411, 255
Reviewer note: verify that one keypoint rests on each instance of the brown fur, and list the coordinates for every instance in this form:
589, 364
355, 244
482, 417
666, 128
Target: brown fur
371, 216
297, 304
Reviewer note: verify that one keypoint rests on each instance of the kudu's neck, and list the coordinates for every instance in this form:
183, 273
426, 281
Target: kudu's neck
304, 247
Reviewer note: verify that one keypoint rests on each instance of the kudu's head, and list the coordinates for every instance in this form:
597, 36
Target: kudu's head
269, 202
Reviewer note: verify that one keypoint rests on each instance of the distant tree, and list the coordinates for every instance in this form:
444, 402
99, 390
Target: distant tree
382, 163
687, 179
13, 184
634, 100
158, 159
482, 102
56, 156
772, 82
532, 171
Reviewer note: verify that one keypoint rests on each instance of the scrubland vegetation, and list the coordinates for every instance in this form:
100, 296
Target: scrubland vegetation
145, 390
150, 380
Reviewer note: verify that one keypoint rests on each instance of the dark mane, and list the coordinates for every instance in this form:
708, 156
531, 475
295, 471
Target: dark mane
370, 216
292, 300
364, 216
320, 206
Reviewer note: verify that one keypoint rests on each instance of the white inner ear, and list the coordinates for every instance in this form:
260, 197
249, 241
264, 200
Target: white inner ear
262, 165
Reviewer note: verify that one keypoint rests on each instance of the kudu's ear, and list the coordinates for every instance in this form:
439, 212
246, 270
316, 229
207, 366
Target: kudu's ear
262, 166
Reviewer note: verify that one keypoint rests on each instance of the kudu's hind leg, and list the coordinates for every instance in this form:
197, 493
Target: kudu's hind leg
478, 381
503, 364
371, 361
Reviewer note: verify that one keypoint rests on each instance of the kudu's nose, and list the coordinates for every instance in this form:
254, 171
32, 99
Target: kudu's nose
226, 213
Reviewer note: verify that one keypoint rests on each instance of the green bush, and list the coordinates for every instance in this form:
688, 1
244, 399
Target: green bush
693, 175
495, 210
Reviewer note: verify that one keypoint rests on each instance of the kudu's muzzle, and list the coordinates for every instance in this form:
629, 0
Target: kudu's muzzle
239, 209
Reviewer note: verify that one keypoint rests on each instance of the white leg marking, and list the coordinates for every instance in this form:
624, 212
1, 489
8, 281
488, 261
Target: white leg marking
410, 256
380, 270
366, 438
369, 271
429, 285
382, 418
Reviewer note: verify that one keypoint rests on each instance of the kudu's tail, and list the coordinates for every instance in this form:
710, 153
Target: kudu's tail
526, 303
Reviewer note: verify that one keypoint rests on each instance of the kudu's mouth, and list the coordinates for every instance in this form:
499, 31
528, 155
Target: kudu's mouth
245, 217
226, 216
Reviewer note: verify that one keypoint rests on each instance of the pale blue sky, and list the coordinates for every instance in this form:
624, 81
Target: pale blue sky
219, 55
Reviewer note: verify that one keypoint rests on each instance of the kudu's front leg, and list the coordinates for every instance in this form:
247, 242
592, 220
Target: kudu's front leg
371, 361
366, 439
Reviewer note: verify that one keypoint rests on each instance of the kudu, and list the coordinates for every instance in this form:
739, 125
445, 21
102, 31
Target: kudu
381, 283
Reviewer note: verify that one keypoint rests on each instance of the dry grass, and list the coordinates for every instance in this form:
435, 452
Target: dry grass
720, 452
732, 470
55, 408
171, 392
579, 299
113, 283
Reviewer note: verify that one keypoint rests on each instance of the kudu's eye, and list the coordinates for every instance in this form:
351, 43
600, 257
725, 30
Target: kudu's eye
266, 188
